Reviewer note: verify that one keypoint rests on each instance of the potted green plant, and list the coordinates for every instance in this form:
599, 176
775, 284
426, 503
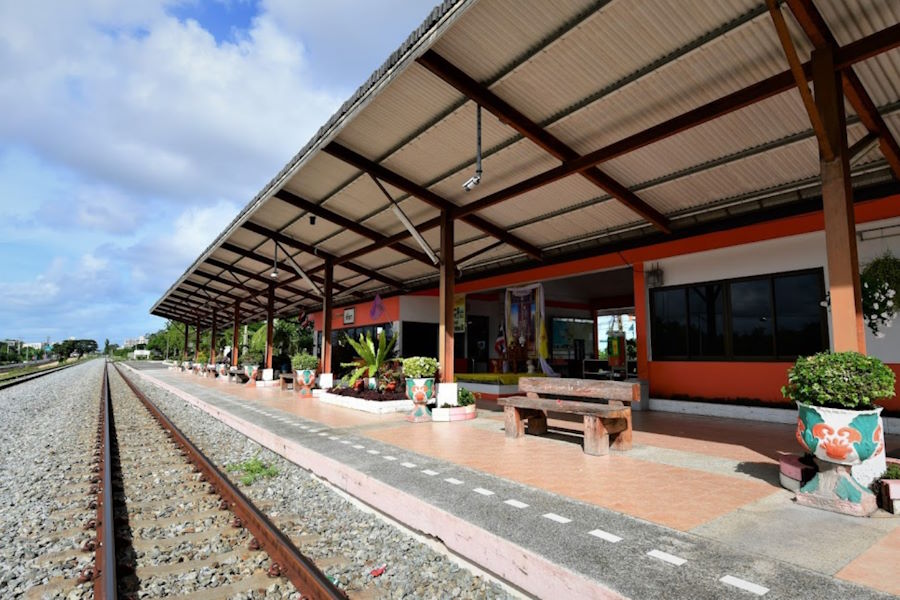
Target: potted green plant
304, 365
251, 360
419, 372
840, 424
463, 411
369, 359
888, 487
880, 280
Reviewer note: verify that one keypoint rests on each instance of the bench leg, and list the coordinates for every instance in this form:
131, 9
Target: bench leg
515, 425
622, 440
596, 438
537, 424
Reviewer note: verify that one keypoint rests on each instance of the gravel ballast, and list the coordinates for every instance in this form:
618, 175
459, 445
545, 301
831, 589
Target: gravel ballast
46, 445
347, 543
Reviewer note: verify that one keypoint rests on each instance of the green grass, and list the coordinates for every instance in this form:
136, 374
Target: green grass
251, 470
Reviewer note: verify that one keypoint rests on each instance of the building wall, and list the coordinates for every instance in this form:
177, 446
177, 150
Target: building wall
761, 380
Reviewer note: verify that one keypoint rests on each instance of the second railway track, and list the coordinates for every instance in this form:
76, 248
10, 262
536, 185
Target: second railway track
180, 526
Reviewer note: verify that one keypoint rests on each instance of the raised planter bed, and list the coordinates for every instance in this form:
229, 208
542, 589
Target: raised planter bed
454, 413
369, 406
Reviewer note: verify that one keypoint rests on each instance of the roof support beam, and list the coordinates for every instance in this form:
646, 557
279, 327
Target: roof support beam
289, 241
816, 29
398, 181
845, 57
349, 224
234, 281
809, 103
233, 269
480, 94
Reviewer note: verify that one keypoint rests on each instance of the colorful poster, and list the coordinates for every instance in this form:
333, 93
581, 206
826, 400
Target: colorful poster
459, 314
522, 307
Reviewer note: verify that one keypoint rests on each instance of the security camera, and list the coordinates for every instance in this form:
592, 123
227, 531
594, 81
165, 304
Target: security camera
472, 182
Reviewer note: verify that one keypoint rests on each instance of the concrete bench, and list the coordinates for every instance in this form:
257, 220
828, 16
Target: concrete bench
606, 409
237, 375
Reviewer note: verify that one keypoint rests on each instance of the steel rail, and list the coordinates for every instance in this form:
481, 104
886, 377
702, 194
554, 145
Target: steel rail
306, 576
105, 585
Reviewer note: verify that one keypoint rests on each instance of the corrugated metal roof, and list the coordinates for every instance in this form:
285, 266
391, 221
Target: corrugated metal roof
591, 73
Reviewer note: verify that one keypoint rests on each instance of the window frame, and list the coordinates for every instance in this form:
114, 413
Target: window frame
727, 329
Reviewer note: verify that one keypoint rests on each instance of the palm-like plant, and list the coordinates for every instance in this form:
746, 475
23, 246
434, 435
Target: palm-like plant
369, 357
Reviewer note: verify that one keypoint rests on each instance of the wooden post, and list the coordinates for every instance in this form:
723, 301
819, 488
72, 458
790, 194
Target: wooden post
327, 290
197, 343
270, 325
448, 275
640, 320
212, 340
184, 355
837, 205
236, 334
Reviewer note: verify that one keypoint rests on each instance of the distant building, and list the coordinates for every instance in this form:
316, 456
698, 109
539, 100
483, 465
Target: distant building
133, 342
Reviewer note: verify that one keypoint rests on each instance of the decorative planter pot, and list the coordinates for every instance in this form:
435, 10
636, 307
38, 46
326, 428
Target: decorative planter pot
303, 382
420, 390
840, 439
251, 370
454, 413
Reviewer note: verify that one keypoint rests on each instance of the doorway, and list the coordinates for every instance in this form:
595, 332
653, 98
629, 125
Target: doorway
477, 334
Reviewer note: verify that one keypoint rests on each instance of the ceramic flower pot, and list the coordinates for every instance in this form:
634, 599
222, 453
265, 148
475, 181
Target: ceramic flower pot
420, 390
840, 436
303, 382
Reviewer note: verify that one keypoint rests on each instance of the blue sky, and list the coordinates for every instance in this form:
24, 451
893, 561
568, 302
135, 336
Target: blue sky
131, 136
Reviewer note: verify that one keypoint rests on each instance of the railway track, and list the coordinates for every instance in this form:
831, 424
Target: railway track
178, 524
11, 381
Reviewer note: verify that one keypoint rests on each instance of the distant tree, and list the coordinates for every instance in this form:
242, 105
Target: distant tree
106, 346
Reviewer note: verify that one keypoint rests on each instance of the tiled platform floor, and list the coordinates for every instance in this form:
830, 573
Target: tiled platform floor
713, 477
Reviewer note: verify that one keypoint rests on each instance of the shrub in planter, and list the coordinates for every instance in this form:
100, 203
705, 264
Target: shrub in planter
838, 420
419, 372
305, 366
464, 397
251, 361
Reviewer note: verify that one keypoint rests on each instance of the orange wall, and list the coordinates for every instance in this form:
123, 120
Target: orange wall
391, 313
728, 380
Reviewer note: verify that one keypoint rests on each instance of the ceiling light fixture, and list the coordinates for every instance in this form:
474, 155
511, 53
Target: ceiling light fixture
476, 178
274, 273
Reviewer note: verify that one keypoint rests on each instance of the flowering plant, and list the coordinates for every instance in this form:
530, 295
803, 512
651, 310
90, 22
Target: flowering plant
880, 282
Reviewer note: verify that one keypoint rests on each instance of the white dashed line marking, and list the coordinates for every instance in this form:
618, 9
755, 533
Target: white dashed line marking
666, 557
389, 457
345, 441
605, 535
358, 446
409, 465
315, 430
515, 503
304, 427
430, 473
453, 481
753, 588
373, 451
557, 518
333, 438
324, 434
483, 492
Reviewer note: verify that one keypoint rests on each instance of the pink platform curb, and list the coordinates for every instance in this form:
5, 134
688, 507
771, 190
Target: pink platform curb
524, 568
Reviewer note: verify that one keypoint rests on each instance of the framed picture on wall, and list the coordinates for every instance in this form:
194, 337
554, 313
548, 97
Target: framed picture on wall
349, 316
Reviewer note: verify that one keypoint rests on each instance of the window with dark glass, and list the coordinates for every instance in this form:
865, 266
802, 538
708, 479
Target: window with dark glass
670, 320
752, 327
706, 320
771, 317
801, 327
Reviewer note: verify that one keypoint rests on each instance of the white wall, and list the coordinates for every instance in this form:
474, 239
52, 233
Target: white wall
805, 251
422, 309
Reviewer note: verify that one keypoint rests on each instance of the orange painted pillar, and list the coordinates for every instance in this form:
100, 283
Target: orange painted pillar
640, 320
197, 342
235, 334
326, 316
212, 340
446, 288
270, 325
837, 205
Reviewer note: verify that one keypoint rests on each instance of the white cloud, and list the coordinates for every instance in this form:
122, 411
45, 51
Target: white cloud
143, 101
